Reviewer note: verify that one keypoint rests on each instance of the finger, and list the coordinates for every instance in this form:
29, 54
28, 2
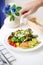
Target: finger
24, 10
27, 14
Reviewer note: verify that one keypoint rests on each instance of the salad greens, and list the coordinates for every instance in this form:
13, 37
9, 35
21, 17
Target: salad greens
24, 38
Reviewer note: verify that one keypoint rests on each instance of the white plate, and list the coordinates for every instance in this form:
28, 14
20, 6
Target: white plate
40, 38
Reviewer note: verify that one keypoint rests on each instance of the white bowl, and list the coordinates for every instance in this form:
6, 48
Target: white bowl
40, 38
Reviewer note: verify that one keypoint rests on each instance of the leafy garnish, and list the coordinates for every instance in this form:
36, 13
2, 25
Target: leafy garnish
12, 18
17, 13
9, 12
19, 8
14, 6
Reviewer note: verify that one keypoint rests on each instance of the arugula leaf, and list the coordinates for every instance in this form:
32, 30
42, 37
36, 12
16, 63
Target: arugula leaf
12, 18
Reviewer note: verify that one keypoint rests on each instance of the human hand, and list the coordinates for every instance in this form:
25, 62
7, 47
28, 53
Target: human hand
30, 8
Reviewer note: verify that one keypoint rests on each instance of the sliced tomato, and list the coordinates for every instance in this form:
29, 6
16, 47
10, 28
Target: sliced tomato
14, 45
11, 43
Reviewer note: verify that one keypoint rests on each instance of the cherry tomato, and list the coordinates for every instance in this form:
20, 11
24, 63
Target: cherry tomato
11, 43
14, 45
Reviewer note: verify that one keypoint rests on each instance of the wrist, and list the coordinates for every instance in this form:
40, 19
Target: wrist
40, 2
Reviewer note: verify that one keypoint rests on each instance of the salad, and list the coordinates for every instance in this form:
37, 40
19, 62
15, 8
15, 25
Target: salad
23, 39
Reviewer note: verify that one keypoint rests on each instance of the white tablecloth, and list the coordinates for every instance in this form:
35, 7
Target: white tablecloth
29, 58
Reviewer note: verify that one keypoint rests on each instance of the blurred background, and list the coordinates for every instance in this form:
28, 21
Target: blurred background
2, 17
38, 14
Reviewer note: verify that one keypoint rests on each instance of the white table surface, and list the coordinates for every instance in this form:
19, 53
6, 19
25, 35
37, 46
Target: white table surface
29, 58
